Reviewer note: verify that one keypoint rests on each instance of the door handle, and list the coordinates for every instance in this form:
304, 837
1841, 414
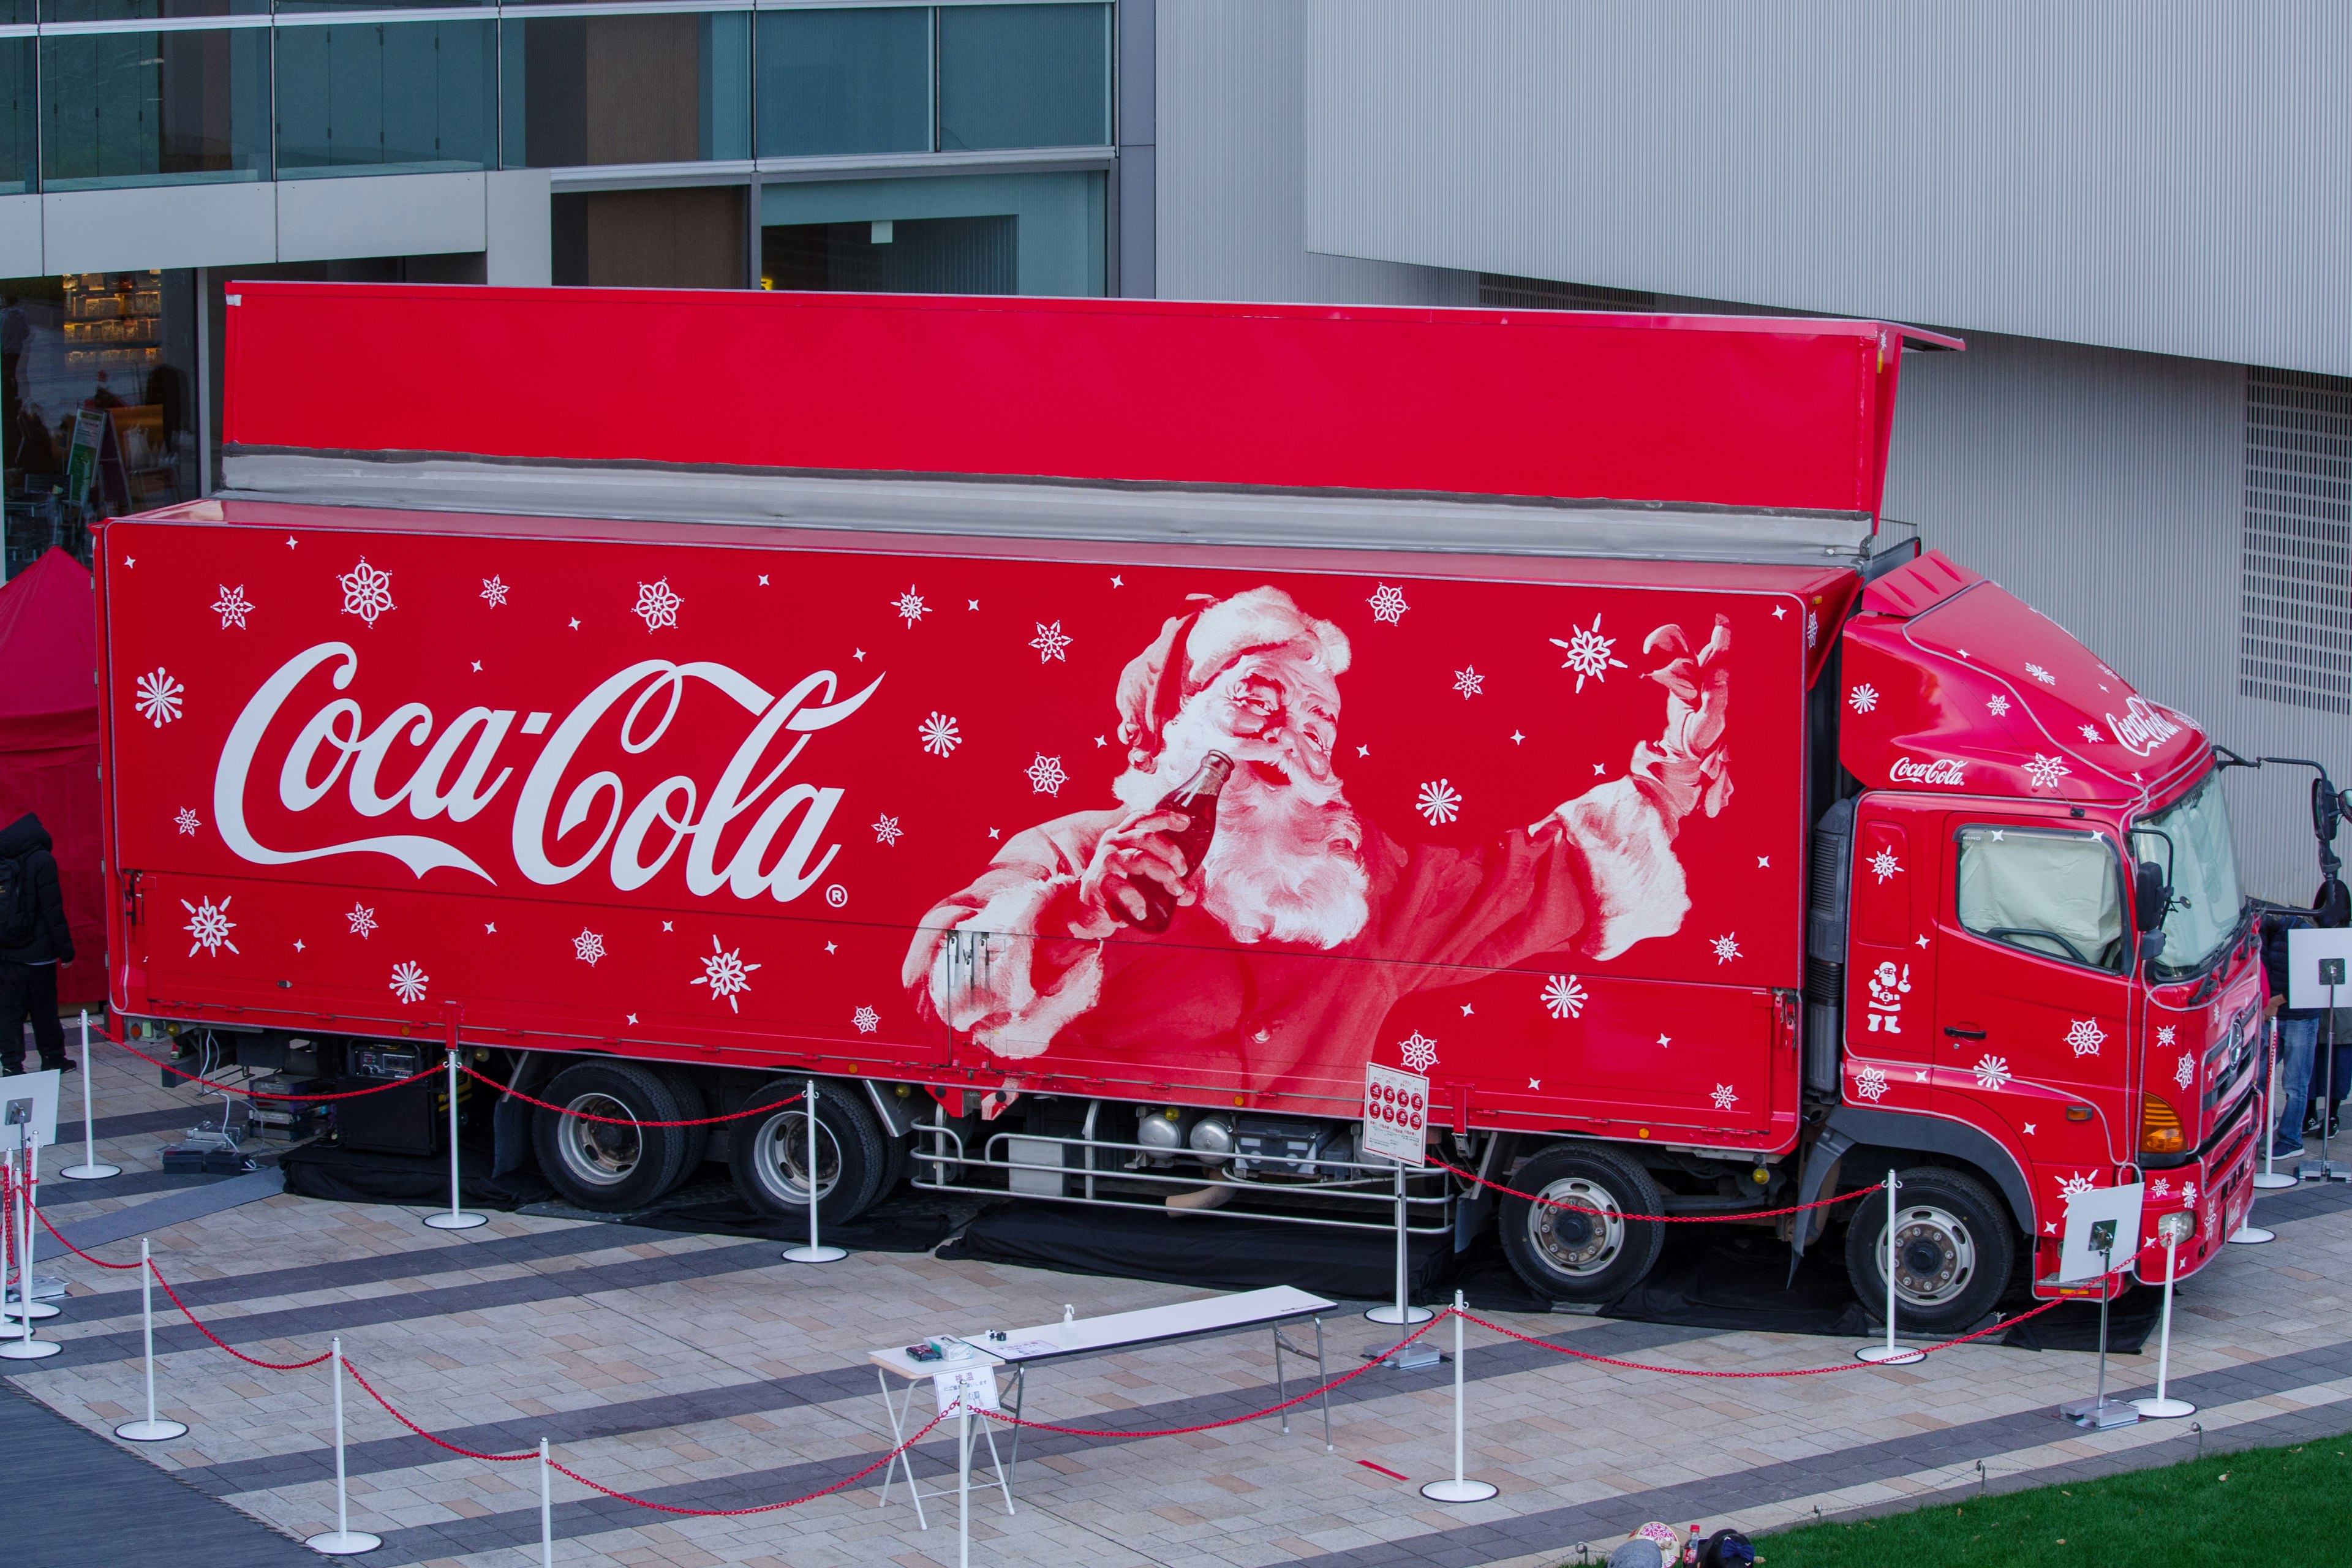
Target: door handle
1962, 1032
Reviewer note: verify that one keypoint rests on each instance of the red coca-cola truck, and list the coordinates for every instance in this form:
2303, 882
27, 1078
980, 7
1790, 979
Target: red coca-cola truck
1084, 735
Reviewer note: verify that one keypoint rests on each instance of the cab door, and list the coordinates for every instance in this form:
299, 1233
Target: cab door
1891, 1045
2032, 995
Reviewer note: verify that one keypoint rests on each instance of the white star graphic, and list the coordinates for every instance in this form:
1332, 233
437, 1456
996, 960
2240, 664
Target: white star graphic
1597, 769
1117, 581
993, 833
127, 561
290, 541
1517, 738
1666, 1040
1779, 612
2029, 1130
971, 604
575, 622
489, 927
477, 666
298, 944
1763, 862
1363, 751
633, 1017
1534, 1083
2050, 1228
858, 654
668, 925
1923, 939
763, 579
1466, 1009
832, 947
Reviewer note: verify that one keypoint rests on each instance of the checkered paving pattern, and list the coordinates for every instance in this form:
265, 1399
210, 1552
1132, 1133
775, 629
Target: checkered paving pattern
705, 1373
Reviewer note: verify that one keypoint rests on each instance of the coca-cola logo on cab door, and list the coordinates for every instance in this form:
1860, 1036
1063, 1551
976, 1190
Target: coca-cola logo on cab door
1945, 771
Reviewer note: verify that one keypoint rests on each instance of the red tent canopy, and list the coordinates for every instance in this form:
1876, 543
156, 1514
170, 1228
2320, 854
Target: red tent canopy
48, 742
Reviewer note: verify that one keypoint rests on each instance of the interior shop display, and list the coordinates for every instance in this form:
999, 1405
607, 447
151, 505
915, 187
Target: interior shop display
1093, 791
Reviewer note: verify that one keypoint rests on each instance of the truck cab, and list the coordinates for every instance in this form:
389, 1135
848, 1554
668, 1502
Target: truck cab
2045, 972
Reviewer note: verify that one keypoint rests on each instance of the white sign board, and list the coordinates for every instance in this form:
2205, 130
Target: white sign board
974, 1386
28, 1099
2104, 1214
1396, 1115
2306, 950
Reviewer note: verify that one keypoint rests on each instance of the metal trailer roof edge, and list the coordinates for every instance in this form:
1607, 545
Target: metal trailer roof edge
1047, 509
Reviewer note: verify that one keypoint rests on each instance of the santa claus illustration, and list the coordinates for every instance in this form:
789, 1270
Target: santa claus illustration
1303, 923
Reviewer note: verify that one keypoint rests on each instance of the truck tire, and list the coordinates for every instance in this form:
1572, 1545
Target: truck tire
1572, 1256
597, 1165
686, 1087
1954, 1251
769, 1154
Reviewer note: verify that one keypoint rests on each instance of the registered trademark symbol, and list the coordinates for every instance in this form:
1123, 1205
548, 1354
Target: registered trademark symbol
837, 895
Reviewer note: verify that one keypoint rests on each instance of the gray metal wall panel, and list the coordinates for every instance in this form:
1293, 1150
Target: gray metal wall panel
2106, 488
1230, 78
2165, 176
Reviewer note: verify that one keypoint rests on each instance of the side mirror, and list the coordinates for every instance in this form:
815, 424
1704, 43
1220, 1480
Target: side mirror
2151, 899
2326, 809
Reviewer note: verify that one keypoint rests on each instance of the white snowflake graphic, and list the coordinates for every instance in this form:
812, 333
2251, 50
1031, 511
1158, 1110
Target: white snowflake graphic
867, 1019
656, 605
726, 974
588, 946
1388, 605
2045, 771
1723, 1097
233, 607
939, 737
1997, 704
1726, 947
1993, 1072
2093, 733
362, 921
1863, 699
494, 591
2080, 1181
2040, 675
1050, 642
187, 821
1439, 801
1469, 682
1045, 774
409, 980
367, 593
1870, 1083
909, 606
2166, 1033
2187, 1071
887, 830
2189, 1193
1883, 865
209, 923
1419, 1051
1563, 997
2160, 1188
1812, 630
160, 696
1589, 653
2085, 1036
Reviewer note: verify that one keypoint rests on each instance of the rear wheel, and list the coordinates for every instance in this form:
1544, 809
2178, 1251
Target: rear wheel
770, 1154
1953, 1250
1585, 1250
601, 1156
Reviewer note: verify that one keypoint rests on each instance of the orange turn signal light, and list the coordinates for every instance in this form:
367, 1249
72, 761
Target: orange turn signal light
2160, 1131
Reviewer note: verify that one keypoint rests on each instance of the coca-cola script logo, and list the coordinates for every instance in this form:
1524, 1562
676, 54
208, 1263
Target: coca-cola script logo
2143, 727
677, 811
1935, 771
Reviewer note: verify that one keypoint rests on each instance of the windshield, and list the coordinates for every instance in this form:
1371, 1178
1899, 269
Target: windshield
2206, 903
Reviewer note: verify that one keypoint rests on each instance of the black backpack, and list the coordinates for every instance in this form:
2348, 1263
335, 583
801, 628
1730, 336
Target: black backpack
20, 917
1726, 1549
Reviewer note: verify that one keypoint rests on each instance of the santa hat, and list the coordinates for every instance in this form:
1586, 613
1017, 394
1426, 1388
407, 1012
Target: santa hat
1192, 650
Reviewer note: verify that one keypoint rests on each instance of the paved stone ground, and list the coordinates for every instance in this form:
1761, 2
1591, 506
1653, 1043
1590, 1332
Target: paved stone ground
702, 1372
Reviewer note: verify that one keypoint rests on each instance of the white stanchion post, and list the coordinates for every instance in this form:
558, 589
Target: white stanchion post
90, 1170
1400, 1312
1890, 1353
2174, 1227
963, 1482
2267, 1180
28, 1198
24, 1347
814, 1252
456, 1218
342, 1540
1460, 1488
150, 1430
546, 1512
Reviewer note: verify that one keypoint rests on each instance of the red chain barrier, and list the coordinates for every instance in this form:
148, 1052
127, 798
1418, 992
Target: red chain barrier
842, 1484
1661, 1218
51, 1226
249, 1360
262, 1094
759, 1110
437, 1441
1798, 1372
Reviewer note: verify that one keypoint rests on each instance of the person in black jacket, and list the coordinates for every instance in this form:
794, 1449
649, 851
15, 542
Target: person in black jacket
2298, 1037
33, 942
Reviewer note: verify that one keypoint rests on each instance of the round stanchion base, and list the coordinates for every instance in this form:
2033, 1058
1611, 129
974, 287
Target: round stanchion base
2252, 1235
344, 1542
89, 1172
2273, 1181
815, 1253
30, 1350
2164, 1409
150, 1431
42, 1311
1387, 1313
1889, 1355
1459, 1491
445, 1221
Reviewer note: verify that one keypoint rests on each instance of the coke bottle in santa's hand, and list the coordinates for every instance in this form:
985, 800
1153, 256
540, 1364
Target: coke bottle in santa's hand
1196, 798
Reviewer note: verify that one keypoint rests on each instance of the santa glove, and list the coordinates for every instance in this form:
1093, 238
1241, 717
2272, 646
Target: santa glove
1689, 768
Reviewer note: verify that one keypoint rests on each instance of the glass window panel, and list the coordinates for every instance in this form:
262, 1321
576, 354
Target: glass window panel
1023, 75
662, 88
133, 10
2055, 894
146, 109
963, 233
385, 99
16, 116
852, 80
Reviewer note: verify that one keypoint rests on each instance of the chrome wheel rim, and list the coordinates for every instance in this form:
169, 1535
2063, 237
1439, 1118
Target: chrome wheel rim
1577, 1242
1935, 1257
784, 1153
600, 1152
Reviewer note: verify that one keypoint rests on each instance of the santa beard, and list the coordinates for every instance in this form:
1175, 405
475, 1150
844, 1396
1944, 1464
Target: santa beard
1287, 863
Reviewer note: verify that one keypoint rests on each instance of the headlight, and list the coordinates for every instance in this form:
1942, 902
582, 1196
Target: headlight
2177, 1228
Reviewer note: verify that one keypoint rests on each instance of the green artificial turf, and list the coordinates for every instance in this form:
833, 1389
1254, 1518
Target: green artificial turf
2248, 1507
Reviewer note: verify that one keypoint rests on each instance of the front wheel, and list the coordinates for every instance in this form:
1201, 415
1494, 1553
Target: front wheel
1953, 1252
1584, 1249
770, 1154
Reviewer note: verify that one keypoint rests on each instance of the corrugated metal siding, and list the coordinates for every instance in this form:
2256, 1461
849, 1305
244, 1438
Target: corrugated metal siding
2166, 175
2109, 490
1230, 156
